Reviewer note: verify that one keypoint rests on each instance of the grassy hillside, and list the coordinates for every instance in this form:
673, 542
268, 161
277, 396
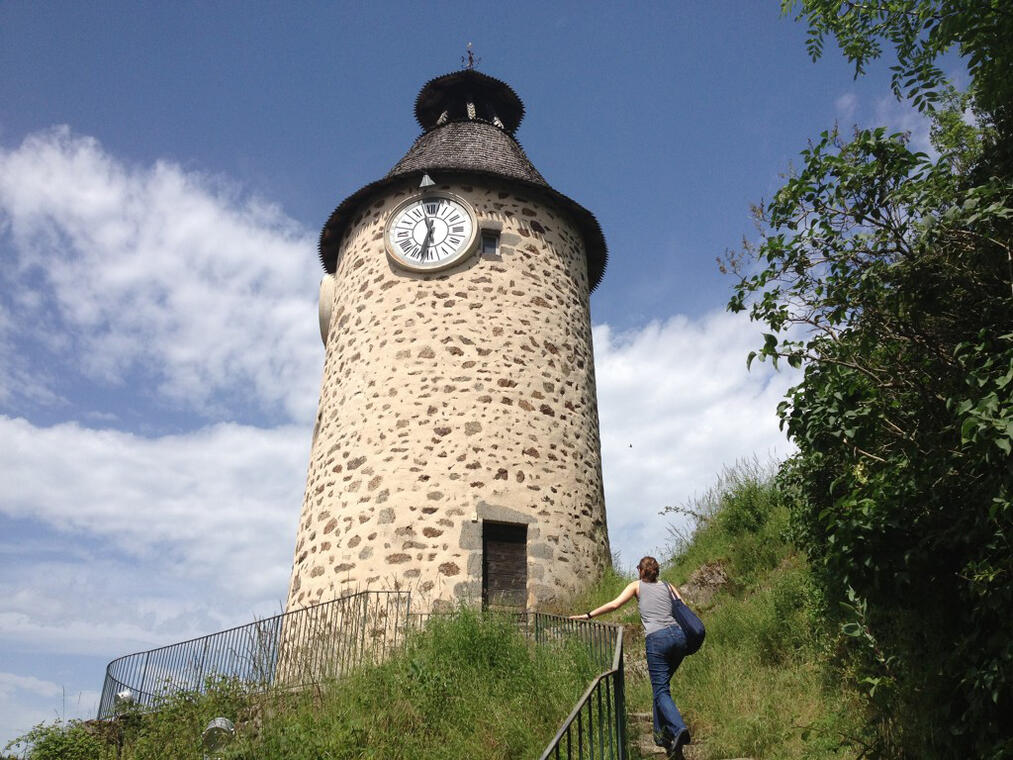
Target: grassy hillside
467, 687
767, 682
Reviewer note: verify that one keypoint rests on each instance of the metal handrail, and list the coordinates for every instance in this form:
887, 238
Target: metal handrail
596, 727
324, 641
295, 648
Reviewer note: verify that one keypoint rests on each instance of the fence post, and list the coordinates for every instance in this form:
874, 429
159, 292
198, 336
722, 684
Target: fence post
621, 701
144, 671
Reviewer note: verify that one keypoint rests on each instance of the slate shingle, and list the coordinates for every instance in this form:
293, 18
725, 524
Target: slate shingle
469, 146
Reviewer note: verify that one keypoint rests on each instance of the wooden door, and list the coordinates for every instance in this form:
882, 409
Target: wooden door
504, 566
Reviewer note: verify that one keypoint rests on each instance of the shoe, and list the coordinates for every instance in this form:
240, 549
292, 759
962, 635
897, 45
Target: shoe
674, 749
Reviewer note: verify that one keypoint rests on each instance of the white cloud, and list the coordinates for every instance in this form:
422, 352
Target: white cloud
214, 502
895, 115
846, 105
9, 683
154, 268
676, 404
116, 275
95, 603
902, 117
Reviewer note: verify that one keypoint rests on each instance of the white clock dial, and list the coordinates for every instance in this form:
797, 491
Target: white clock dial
430, 232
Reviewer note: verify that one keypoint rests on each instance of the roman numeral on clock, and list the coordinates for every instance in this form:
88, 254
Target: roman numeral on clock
430, 231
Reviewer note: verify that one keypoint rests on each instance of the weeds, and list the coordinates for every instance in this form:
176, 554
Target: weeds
767, 682
468, 685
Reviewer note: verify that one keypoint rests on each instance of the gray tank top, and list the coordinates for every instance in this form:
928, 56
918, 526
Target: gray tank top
655, 606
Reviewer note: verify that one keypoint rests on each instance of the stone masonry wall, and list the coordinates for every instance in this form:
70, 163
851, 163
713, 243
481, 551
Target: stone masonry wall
452, 398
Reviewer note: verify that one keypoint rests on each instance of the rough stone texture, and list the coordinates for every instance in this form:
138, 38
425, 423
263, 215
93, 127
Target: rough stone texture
451, 398
704, 582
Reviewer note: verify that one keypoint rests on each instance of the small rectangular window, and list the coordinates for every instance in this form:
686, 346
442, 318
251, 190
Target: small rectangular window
490, 242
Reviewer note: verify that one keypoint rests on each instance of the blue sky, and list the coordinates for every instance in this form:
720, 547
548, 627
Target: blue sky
164, 172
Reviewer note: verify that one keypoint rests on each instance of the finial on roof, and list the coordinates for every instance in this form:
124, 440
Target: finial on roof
470, 60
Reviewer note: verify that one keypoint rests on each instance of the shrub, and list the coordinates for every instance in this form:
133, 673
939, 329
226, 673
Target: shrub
468, 685
61, 741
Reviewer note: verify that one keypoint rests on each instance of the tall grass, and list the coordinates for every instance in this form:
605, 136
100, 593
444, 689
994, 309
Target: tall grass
763, 685
467, 686
767, 681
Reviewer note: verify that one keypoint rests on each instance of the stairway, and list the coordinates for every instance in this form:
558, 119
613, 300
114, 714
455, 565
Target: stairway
641, 727
642, 746
641, 742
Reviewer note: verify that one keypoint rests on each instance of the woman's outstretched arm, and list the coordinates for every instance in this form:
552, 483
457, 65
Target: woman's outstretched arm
628, 593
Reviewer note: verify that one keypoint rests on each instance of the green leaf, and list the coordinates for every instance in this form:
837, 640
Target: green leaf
851, 629
968, 429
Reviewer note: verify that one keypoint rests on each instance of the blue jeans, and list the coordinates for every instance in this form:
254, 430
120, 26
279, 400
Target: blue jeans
665, 650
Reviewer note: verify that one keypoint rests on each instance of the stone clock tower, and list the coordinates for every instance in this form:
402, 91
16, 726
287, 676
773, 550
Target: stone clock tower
456, 450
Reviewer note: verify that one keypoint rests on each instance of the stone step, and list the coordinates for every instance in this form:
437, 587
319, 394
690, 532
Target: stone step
647, 748
641, 731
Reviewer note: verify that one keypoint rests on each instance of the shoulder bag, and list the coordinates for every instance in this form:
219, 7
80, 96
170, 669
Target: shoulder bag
691, 625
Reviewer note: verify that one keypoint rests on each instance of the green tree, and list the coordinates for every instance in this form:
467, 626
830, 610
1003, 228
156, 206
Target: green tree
61, 741
887, 275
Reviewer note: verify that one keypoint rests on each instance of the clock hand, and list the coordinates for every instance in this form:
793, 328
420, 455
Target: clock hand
429, 232
426, 239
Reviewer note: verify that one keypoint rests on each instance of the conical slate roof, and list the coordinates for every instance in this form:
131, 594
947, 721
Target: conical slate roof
469, 146
469, 119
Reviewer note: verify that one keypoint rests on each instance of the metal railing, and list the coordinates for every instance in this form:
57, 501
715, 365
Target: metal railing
316, 643
292, 649
596, 727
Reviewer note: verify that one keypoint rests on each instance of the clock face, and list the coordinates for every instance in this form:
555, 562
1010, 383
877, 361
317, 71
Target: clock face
432, 231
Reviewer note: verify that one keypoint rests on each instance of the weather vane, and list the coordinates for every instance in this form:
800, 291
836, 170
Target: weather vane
469, 60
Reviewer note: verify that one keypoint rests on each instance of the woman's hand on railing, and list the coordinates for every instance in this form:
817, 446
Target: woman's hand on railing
627, 593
